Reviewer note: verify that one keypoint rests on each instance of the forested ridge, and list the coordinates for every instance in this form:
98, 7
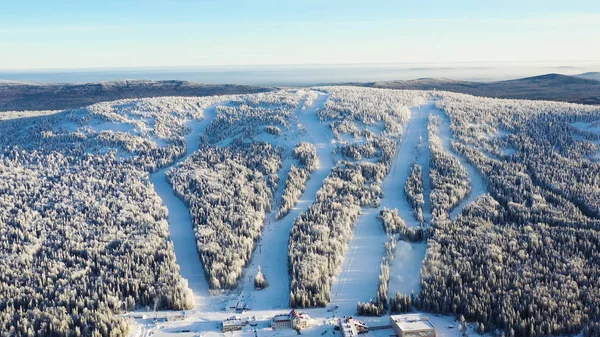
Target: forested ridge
83, 234
526, 258
228, 191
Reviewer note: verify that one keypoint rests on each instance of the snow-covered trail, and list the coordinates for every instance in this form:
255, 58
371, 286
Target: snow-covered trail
180, 221
423, 159
415, 134
358, 279
405, 270
271, 252
478, 187
359, 276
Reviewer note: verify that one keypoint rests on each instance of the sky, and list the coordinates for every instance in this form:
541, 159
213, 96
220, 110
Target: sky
184, 33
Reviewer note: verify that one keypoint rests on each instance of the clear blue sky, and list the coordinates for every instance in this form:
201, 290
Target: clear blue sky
74, 34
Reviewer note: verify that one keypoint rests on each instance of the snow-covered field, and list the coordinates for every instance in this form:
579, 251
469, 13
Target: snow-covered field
593, 127
405, 269
323, 321
6, 115
413, 148
318, 131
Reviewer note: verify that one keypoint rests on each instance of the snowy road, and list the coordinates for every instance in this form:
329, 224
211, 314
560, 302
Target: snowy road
271, 252
180, 220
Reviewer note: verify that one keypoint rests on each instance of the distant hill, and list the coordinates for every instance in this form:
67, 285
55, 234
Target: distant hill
553, 87
57, 96
590, 76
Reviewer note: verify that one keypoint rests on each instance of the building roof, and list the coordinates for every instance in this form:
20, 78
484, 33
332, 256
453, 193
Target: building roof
230, 322
281, 317
348, 329
412, 322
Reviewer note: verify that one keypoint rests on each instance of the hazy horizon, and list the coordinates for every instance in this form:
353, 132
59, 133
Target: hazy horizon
307, 74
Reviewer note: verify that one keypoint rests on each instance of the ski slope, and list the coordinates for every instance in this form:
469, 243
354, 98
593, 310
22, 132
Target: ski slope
414, 148
359, 276
271, 252
405, 268
180, 220
358, 279
478, 187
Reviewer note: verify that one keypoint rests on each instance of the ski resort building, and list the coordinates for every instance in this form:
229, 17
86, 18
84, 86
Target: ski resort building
412, 325
296, 320
351, 327
281, 321
232, 324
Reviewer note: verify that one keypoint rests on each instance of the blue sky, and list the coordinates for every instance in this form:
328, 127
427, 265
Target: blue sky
81, 34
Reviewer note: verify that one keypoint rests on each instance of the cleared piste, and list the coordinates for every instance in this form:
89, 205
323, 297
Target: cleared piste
271, 252
180, 221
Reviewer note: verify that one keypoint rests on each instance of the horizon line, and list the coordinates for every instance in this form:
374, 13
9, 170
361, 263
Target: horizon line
224, 66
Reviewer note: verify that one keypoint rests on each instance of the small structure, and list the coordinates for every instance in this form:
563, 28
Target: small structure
300, 320
281, 321
296, 320
412, 325
232, 324
351, 327
237, 306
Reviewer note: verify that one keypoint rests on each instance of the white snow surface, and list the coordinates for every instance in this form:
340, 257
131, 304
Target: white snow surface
593, 127
271, 253
179, 218
197, 324
358, 279
405, 269
478, 187
359, 276
413, 148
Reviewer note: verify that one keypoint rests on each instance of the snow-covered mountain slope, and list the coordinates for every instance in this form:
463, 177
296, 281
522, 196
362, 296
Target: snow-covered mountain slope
173, 203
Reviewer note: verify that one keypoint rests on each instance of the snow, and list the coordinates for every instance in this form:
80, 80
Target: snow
273, 256
132, 124
509, 151
411, 322
478, 186
111, 126
593, 127
358, 279
359, 276
7, 115
323, 321
415, 133
180, 220
405, 269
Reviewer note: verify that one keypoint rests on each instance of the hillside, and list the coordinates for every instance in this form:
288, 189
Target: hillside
341, 200
551, 87
58, 96
594, 75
